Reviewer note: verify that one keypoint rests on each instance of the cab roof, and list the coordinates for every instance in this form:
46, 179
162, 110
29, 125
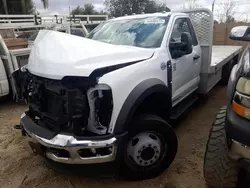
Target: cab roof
165, 14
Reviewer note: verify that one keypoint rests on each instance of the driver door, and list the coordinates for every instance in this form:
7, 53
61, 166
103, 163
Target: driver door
186, 68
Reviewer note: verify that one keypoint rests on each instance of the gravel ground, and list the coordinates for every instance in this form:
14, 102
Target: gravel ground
20, 168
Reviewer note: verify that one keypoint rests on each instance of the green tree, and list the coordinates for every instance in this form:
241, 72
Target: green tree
122, 7
152, 7
19, 6
78, 10
87, 9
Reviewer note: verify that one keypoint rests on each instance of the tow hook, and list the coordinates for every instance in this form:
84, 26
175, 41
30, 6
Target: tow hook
20, 127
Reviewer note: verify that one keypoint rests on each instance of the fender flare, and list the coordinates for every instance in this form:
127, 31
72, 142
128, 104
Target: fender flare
138, 95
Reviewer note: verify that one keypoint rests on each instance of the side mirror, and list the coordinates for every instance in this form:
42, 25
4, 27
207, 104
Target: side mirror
186, 39
181, 48
241, 33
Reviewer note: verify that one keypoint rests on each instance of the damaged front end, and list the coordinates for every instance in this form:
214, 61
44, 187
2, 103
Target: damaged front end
69, 119
72, 105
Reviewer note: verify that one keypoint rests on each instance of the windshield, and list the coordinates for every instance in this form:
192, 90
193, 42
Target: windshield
33, 36
141, 32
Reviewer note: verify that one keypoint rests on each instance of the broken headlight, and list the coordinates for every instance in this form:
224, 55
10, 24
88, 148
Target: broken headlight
101, 107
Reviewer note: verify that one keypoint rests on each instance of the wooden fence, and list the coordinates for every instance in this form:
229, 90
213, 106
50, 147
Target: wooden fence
221, 34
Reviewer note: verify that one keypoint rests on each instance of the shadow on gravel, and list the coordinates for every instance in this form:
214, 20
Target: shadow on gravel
199, 104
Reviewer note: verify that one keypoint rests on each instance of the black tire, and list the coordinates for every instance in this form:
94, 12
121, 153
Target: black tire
220, 171
129, 170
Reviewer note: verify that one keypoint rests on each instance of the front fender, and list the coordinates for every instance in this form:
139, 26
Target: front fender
136, 97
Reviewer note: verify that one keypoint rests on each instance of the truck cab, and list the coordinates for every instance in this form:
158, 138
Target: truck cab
108, 98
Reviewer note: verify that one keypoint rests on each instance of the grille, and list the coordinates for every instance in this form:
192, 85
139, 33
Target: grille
58, 107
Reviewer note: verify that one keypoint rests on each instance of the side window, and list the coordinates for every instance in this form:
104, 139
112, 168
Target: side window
77, 32
182, 25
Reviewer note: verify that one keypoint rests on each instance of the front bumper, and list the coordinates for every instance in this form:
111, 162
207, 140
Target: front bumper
68, 149
238, 131
237, 128
239, 151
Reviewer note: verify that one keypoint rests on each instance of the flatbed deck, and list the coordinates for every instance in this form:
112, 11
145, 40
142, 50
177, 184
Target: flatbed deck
212, 70
221, 55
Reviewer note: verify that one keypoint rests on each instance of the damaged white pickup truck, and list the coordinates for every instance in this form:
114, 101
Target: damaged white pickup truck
108, 98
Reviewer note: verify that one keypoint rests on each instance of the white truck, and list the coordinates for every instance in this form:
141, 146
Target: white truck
108, 98
14, 54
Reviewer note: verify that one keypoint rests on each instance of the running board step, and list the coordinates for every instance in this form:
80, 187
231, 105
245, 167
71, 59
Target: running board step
180, 108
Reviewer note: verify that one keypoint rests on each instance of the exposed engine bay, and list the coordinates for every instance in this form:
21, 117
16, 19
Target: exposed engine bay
74, 105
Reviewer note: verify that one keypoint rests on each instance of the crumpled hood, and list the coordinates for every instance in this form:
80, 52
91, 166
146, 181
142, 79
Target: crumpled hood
56, 55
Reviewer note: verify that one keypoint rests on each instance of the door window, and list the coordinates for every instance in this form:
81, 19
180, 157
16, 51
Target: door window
183, 25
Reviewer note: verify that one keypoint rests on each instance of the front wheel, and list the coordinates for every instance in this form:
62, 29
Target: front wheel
150, 149
220, 171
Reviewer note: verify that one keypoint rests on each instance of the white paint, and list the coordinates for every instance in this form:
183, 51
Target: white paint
4, 85
55, 55
221, 53
136, 16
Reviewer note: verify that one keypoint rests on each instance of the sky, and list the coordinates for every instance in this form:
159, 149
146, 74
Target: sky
62, 6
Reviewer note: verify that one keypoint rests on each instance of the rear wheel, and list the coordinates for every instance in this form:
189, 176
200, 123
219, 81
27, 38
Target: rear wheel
219, 170
150, 149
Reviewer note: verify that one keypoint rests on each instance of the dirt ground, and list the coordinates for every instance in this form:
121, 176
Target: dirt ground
20, 168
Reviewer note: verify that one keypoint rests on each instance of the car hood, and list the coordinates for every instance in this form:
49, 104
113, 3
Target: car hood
56, 55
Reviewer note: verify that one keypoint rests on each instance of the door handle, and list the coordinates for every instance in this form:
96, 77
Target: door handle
196, 57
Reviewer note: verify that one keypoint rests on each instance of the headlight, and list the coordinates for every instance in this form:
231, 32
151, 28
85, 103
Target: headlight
241, 102
243, 86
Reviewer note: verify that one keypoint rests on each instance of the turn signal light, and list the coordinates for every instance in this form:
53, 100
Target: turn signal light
241, 110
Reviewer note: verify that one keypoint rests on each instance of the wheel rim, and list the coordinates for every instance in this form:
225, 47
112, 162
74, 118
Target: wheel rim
145, 149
